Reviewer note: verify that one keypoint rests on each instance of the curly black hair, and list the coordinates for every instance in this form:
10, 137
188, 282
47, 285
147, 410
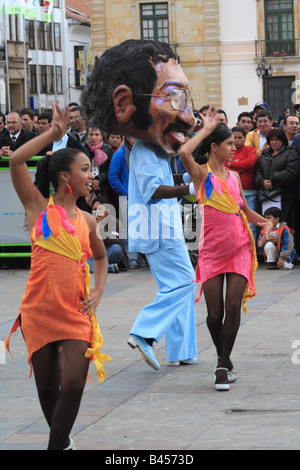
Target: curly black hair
128, 63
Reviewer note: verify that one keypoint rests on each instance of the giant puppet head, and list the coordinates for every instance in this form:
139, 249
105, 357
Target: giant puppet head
139, 89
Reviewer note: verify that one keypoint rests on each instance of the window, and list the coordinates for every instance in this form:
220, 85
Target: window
59, 84
79, 57
30, 39
57, 40
45, 36
279, 93
13, 28
47, 79
50, 78
43, 79
279, 24
154, 21
33, 82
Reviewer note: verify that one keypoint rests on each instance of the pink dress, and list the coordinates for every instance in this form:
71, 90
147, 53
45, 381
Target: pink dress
225, 245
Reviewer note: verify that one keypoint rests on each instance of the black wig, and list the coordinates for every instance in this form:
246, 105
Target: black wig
125, 64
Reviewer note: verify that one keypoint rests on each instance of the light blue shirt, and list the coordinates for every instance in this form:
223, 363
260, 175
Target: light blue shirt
61, 144
152, 223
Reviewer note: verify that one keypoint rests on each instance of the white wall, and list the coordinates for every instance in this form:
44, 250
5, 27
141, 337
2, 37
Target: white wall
2, 92
39, 57
238, 31
237, 20
78, 35
239, 80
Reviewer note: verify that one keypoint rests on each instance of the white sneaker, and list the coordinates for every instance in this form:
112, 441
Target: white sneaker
288, 265
174, 363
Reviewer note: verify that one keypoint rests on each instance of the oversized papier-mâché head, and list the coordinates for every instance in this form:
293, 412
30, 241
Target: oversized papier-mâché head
138, 88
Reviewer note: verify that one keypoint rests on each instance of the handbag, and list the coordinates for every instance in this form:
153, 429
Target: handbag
268, 194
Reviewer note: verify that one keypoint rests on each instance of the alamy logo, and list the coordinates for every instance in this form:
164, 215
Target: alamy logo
159, 221
2, 353
296, 354
296, 94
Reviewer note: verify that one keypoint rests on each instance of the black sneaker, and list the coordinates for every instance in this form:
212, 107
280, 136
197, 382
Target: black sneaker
272, 266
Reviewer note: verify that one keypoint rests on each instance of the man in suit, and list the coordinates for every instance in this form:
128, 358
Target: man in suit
15, 136
3, 129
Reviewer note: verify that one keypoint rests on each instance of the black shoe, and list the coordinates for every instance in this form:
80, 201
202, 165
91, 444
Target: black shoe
272, 266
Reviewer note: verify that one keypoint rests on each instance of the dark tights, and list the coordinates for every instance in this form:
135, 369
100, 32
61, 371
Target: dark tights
223, 321
60, 370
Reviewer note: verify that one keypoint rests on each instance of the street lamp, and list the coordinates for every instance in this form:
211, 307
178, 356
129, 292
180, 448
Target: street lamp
264, 72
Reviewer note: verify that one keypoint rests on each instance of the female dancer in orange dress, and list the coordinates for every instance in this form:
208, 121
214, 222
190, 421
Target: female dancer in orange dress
57, 313
226, 247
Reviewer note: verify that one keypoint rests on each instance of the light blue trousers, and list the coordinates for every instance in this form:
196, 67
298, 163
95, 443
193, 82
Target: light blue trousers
172, 313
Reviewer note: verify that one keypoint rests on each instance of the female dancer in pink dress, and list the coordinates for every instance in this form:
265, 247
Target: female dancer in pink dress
226, 248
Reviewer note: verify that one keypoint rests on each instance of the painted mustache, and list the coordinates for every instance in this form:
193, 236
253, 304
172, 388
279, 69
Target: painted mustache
177, 127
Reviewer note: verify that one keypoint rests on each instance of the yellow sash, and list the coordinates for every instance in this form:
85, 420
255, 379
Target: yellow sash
56, 233
214, 192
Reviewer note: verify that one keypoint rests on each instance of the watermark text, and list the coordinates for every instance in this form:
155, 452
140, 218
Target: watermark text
296, 353
2, 353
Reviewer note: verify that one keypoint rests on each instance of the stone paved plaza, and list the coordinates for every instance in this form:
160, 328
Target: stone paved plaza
178, 409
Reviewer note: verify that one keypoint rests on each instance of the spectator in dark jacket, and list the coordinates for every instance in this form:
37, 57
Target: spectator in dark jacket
27, 120
66, 141
15, 137
3, 130
277, 170
100, 154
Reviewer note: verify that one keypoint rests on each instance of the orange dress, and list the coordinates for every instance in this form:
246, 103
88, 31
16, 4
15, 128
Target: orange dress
56, 285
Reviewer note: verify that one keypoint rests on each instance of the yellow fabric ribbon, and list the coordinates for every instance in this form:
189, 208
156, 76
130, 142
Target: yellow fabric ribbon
214, 192
68, 245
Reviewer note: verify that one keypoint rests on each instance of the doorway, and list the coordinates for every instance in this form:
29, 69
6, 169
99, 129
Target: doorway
279, 93
16, 95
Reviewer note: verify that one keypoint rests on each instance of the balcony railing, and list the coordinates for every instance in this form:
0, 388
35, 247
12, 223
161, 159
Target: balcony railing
286, 48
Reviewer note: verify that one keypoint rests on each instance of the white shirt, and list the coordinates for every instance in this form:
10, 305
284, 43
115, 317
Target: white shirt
14, 136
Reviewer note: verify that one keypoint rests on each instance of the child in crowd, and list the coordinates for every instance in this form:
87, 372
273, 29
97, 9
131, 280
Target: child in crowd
279, 249
108, 230
115, 141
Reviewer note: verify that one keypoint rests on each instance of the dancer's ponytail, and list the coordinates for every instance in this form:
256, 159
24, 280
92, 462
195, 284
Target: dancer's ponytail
49, 168
42, 179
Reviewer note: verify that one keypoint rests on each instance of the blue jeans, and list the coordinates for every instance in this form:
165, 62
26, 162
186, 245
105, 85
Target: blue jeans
114, 255
252, 204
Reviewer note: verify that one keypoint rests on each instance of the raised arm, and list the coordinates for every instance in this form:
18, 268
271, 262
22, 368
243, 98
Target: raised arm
28, 193
210, 122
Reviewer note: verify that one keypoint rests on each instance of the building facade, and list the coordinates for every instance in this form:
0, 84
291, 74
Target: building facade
45, 61
221, 43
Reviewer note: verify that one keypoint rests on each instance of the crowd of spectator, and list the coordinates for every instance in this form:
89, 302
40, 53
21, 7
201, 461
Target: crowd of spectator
267, 158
